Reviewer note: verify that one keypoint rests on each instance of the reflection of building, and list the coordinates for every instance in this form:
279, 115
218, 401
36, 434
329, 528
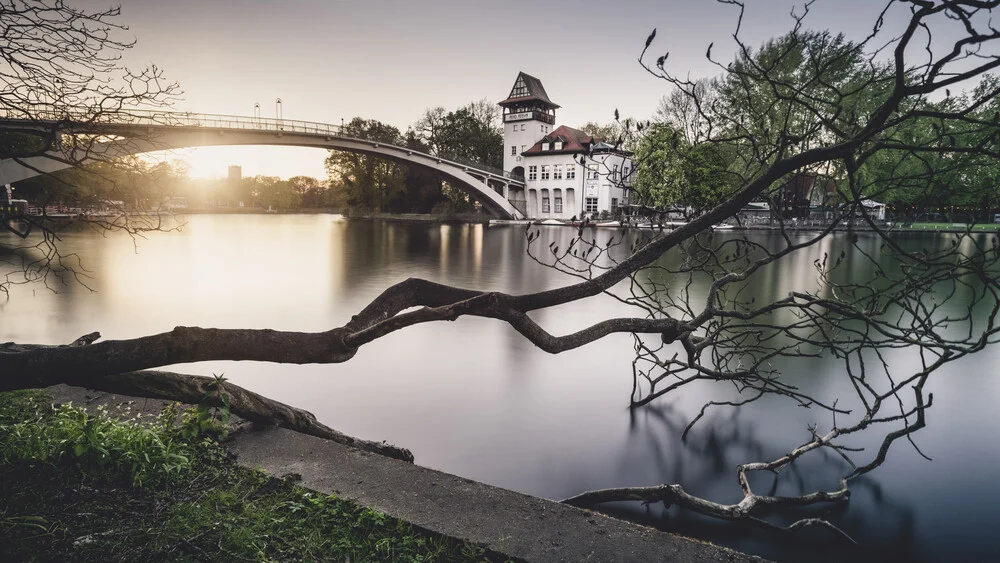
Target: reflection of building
567, 172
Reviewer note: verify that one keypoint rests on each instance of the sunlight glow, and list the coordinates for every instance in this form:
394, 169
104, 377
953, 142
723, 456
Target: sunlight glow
213, 162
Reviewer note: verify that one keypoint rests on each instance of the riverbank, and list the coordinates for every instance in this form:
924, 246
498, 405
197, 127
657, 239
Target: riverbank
956, 228
415, 506
127, 482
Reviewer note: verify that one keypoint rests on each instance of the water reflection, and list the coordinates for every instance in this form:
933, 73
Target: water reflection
474, 398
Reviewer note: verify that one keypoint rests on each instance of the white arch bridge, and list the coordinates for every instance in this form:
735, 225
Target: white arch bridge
500, 192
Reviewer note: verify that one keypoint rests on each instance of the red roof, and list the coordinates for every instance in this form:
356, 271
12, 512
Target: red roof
574, 141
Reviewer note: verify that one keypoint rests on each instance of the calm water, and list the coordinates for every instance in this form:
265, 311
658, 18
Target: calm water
474, 398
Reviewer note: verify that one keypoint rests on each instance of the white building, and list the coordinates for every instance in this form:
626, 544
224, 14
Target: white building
567, 172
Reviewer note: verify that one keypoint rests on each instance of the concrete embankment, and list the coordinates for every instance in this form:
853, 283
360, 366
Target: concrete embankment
513, 524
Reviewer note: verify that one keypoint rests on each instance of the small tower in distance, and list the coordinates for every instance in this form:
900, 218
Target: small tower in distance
528, 115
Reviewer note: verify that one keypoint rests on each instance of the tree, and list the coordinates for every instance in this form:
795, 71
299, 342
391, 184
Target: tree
302, 184
623, 133
810, 102
370, 182
672, 173
472, 133
60, 65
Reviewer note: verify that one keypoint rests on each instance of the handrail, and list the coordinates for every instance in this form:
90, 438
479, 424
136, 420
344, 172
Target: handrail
155, 118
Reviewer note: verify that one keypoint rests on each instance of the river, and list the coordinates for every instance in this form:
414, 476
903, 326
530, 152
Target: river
474, 398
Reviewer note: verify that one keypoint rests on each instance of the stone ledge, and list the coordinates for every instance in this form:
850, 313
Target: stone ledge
504, 521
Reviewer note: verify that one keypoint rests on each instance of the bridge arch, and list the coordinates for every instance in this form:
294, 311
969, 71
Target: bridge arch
143, 138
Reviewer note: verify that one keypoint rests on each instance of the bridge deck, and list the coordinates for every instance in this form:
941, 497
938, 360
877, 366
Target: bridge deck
164, 119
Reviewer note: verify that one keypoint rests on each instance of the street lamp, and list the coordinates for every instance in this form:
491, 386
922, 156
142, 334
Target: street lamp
277, 108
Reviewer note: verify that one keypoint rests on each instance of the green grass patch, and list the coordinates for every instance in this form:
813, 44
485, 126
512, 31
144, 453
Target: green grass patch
946, 226
81, 487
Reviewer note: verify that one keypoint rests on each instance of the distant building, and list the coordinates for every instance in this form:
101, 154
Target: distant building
567, 172
235, 175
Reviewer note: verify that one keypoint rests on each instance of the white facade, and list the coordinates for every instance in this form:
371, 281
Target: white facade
568, 174
519, 136
554, 186
560, 187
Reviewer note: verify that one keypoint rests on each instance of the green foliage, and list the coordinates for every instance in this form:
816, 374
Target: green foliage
99, 445
949, 170
211, 416
672, 173
94, 487
369, 182
471, 133
771, 96
808, 89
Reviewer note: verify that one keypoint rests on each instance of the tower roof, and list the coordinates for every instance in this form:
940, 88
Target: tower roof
526, 89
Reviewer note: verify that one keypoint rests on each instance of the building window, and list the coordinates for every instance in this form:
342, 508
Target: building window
559, 145
570, 171
524, 148
522, 127
513, 150
532, 172
590, 205
557, 172
558, 204
545, 172
592, 172
614, 204
545, 203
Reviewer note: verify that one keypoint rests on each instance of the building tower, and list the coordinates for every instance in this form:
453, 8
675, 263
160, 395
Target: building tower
528, 115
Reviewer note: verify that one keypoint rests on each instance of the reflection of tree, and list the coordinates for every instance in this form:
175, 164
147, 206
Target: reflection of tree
884, 527
816, 102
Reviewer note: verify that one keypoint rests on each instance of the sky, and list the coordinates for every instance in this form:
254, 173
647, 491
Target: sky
390, 60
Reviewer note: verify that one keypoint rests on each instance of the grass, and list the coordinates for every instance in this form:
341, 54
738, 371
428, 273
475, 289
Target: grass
947, 226
83, 487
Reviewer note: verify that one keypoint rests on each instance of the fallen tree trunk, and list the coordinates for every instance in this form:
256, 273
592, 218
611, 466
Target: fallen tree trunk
198, 389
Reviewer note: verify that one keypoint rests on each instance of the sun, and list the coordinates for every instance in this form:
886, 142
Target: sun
213, 162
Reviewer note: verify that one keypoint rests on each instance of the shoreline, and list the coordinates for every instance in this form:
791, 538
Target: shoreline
517, 526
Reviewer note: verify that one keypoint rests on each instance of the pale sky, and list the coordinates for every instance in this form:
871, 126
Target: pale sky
392, 59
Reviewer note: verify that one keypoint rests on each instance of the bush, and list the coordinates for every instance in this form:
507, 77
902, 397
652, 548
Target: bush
101, 445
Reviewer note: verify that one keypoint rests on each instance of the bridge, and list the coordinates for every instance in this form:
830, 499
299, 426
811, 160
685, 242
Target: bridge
500, 192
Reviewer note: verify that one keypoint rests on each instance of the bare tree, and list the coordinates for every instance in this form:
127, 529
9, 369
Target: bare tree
60, 73
805, 103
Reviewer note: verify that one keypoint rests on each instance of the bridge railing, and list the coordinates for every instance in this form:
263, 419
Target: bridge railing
241, 123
